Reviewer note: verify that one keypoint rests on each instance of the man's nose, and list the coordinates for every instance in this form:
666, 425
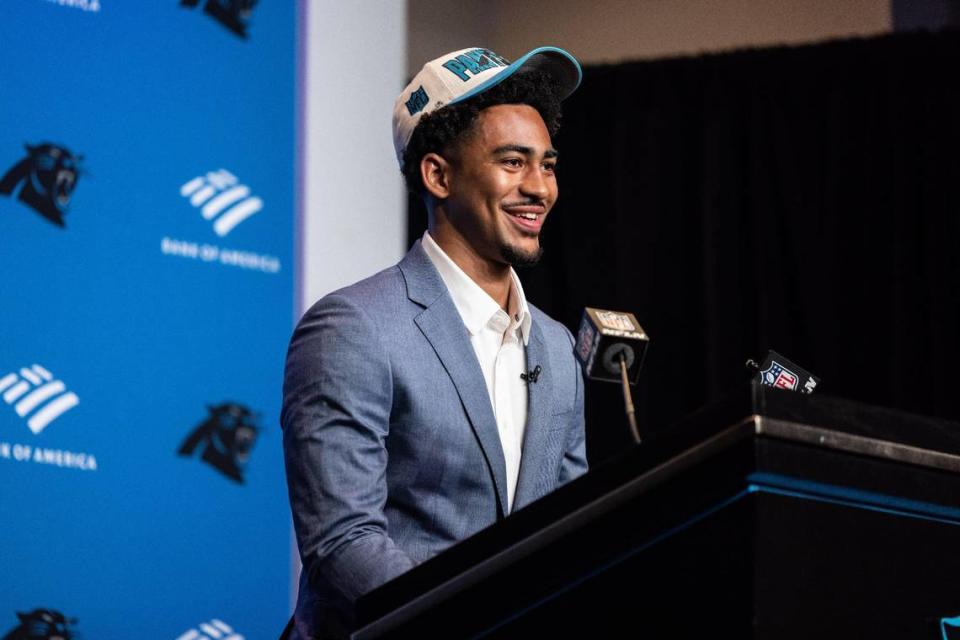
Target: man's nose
534, 183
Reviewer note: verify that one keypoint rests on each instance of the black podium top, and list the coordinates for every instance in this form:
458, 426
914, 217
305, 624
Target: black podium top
761, 436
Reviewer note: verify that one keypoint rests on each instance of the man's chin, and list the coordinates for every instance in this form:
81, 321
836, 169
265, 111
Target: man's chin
520, 258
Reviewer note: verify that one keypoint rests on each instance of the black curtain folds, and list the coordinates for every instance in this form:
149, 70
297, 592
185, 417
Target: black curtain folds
801, 199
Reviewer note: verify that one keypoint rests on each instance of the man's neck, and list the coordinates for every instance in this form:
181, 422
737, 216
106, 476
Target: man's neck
493, 277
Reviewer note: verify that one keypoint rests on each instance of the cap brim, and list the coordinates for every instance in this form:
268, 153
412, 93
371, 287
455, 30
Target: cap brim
562, 66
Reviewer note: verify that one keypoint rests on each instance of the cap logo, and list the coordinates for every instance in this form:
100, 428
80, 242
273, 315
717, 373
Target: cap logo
474, 62
418, 100
467, 72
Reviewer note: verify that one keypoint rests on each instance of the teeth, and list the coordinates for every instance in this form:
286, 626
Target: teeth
528, 216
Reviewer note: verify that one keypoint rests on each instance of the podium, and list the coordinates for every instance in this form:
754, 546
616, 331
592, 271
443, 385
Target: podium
767, 515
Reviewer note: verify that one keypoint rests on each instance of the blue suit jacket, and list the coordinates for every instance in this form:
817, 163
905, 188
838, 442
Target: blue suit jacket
391, 445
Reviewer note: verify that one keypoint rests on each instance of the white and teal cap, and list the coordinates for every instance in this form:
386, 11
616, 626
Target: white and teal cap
463, 74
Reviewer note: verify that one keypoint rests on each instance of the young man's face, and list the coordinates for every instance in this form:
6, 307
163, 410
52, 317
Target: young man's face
502, 184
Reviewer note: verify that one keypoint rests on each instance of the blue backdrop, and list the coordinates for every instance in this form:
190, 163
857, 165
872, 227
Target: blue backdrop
146, 294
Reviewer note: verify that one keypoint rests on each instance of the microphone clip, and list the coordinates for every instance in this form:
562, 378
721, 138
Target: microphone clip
532, 375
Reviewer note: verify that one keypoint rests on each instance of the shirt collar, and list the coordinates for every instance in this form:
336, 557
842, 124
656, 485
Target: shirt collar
475, 305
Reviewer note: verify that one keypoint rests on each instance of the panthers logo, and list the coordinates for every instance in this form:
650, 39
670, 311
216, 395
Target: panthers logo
49, 175
42, 624
233, 14
227, 435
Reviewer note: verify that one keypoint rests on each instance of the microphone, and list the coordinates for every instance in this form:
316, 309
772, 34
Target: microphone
778, 372
532, 375
611, 346
604, 338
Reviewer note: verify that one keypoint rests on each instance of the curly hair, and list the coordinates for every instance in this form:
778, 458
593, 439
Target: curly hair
443, 129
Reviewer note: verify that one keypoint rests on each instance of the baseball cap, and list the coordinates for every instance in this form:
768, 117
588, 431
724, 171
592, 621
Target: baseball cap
462, 74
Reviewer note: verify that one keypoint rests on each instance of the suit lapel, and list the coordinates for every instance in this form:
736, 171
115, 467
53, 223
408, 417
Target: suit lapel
442, 326
535, 460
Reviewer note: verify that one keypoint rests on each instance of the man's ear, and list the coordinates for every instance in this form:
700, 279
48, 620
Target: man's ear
435, 173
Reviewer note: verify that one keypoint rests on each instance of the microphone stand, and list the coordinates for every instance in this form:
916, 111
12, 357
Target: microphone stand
628, 400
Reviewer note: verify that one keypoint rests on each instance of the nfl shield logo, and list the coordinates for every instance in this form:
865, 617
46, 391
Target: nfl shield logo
779, 376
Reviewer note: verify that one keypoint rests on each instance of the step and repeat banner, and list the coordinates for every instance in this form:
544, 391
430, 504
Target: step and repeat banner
146, 293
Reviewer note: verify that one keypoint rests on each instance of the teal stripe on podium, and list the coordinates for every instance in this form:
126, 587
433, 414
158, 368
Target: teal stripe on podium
822, 492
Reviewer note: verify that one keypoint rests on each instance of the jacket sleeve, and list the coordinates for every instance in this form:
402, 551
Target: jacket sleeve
337, 397
574, 462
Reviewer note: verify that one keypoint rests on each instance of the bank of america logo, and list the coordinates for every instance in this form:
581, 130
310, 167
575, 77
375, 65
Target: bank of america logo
222, 199
33, 392
216, 629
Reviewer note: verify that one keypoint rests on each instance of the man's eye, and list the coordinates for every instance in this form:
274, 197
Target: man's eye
513, 162
550, 167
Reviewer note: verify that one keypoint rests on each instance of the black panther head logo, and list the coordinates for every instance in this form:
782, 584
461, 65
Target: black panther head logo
42, 624
233, 14
49, 175
228, 434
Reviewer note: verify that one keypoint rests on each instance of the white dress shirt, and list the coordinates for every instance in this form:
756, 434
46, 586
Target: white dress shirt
499, 339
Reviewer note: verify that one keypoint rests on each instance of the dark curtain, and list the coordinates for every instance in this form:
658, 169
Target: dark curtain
801, 199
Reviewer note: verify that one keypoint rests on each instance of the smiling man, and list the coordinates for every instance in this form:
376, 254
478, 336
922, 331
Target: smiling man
431, 400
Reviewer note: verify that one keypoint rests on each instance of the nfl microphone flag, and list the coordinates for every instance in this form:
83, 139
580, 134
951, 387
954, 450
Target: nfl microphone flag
606, 335
778, 372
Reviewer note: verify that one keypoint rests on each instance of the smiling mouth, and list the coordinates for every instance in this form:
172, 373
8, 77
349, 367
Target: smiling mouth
528, 218
527, 209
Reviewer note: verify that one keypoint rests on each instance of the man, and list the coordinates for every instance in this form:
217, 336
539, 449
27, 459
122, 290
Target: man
430, 401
